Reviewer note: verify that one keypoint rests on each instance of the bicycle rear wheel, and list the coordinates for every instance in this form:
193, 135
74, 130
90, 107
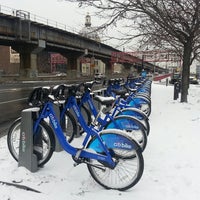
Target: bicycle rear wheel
47, 141
130, 163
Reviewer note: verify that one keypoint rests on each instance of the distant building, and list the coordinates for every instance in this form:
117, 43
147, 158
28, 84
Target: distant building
90, 66
99, 67
9, 60
89, 31
58, 63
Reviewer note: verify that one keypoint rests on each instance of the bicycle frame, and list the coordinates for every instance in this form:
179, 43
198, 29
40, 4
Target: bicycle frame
119, 105
86, 98
48, 112
130, 101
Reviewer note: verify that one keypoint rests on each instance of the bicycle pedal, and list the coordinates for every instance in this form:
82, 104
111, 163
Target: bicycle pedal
76, 164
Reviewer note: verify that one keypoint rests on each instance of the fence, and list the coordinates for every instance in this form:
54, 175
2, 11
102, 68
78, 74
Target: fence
29, 16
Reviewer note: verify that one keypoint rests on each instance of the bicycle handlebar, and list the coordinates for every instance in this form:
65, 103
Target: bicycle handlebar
40, 95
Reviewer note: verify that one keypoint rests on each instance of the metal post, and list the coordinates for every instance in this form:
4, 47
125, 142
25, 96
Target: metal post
27, 158
58, 147
176, 90
167, 82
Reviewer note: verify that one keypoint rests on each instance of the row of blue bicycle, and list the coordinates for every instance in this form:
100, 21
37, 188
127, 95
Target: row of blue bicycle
113, 125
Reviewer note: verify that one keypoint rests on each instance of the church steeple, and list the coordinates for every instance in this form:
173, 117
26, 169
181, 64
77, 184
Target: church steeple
88, 20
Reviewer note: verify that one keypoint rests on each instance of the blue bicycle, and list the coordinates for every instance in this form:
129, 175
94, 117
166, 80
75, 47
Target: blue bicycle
113, 159
102, 118
139, 100
116, 109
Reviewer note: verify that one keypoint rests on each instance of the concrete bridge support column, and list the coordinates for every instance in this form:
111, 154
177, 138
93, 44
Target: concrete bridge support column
74, 64
109, 67
78, 72
28, 58
28, 65
71, 66
81, 56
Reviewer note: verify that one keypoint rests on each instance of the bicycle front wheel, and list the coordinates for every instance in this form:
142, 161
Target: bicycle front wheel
141, 103
69, 126
47, 142
134, 128
137, 113
130, 164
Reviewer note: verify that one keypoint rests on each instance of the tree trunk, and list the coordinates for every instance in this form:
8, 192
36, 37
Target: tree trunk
185, 71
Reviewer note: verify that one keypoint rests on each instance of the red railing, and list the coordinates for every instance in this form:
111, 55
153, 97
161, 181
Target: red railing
160, 77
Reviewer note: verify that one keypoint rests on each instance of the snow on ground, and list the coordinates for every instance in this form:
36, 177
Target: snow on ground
171, 160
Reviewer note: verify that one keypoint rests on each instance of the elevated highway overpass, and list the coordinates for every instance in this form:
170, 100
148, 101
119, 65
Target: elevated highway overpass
29, 38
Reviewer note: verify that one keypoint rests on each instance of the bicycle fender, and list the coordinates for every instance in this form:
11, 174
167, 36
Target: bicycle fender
133, 112
113, 139
124, 122
137, 101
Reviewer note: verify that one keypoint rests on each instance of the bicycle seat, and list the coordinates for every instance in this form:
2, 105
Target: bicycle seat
131, 89
138, 83
120, 92
104, 100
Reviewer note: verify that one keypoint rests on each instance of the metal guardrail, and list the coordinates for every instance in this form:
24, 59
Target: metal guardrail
35, 18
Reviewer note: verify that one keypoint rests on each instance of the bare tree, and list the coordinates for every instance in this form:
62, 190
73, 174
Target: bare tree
162, 23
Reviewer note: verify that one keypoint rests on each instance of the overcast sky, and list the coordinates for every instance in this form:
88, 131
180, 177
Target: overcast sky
63, 12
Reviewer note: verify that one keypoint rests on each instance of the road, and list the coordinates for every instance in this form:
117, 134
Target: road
12, 101
13, 97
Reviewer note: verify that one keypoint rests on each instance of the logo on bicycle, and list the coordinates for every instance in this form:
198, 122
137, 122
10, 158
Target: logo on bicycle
122, 145
53, 121
76, 111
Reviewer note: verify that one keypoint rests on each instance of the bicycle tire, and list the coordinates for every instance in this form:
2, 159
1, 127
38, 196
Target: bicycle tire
143, 94
134, 128
86, 114
48, 141
69, 126
129, 168
87, 117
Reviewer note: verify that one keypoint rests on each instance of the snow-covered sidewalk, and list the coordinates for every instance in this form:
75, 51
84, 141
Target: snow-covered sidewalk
171, 160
